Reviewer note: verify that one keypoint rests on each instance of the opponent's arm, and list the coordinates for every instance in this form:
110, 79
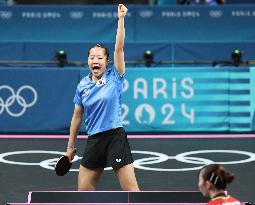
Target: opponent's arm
119, 61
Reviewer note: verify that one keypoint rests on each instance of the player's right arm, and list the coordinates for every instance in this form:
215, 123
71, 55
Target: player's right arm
74, 130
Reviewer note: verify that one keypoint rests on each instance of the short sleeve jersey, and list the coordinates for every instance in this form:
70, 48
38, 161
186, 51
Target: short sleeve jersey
224, 200
101, 101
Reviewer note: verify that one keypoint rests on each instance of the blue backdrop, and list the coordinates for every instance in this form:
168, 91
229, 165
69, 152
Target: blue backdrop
143, 23
77, 51
198, 99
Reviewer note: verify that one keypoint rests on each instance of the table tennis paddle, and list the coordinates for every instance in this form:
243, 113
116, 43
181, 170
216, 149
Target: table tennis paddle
63, 165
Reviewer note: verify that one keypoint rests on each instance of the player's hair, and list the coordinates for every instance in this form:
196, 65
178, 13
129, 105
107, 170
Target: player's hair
217, 175
99, 45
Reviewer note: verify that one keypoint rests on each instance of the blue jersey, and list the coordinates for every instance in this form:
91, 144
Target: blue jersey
101, 101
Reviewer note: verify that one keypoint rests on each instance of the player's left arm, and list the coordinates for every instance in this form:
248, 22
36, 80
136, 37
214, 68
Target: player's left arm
119, 60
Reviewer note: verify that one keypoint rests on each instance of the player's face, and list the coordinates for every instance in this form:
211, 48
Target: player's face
97, 62
202, 185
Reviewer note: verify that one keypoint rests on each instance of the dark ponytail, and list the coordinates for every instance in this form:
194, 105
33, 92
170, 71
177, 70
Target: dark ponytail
217, 175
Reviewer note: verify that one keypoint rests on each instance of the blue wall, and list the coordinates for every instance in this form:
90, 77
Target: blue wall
222, 98
143, 23
197, 99
77, 51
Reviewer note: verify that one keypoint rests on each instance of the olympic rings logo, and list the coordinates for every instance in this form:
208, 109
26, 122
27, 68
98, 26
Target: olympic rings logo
6, 104
6, 14
150, 162
216, 13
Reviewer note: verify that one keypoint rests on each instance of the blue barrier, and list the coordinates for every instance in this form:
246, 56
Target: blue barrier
252, 84
207, 51
143, 23
43, 102
198, 99
77, 51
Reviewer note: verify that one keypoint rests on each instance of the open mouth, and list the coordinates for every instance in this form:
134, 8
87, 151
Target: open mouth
95, 68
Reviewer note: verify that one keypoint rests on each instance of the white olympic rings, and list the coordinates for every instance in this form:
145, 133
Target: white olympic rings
5, 104
154, 158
